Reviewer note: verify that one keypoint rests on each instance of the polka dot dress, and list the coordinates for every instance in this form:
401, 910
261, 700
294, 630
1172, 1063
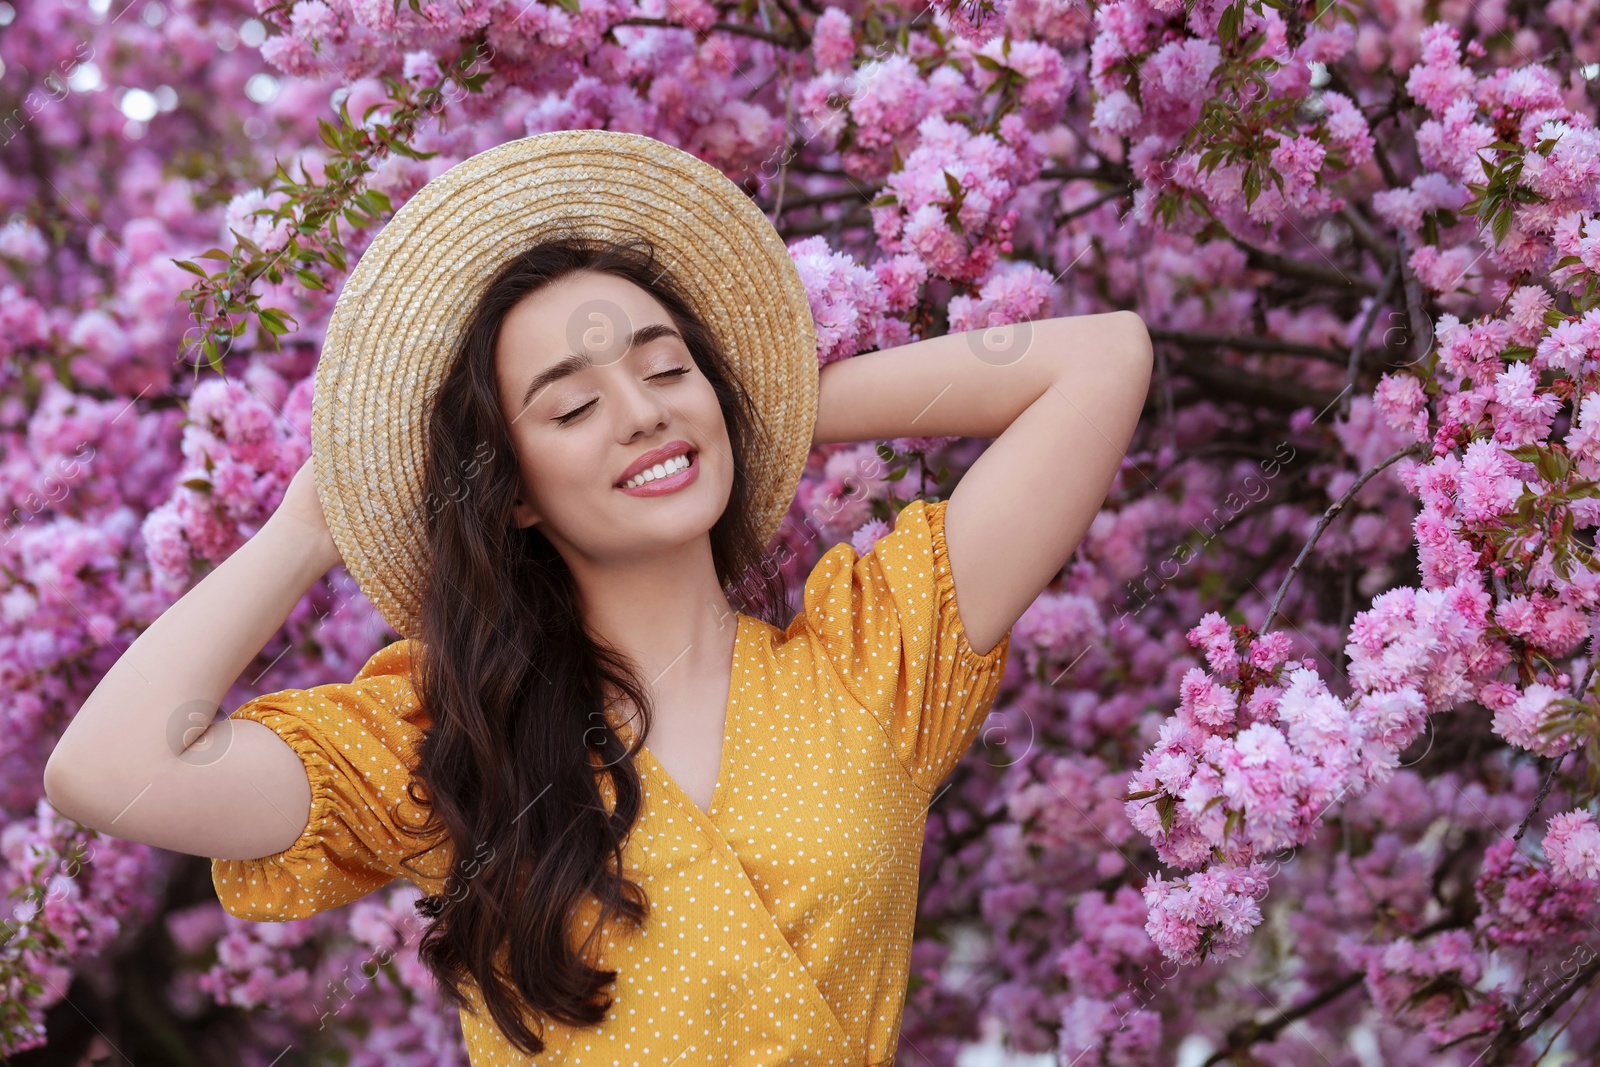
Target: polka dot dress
780, 930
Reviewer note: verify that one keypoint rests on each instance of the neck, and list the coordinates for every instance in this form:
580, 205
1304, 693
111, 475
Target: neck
667, 611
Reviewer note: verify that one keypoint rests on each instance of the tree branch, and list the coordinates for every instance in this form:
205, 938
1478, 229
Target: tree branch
1315, 273
1204, 341
1084, 209
794, 21
1368, 237
1510, 1036
1229, 384
1328, 517
1242, 1036
1389, 280
1108, 172
856, 216
1421, 329
794, 203
1538, 801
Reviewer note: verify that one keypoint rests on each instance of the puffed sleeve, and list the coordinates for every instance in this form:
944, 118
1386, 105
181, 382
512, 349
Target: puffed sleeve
888, 624
356, 741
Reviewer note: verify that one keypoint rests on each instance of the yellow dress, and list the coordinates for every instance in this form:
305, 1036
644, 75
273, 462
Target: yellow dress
781, 921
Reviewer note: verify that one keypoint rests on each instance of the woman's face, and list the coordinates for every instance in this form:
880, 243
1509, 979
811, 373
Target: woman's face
581, 425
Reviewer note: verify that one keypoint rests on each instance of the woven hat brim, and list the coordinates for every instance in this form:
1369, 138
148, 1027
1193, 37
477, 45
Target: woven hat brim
396, 321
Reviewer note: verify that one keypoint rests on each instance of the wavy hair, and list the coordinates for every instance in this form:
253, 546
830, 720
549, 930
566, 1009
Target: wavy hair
514, 682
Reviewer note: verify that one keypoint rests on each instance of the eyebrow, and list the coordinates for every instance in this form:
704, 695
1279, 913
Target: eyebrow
572, 364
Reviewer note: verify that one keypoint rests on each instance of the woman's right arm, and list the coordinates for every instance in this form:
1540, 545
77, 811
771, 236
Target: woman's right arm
143, 759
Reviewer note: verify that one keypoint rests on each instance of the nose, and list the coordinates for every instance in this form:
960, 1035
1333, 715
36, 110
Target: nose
641, 410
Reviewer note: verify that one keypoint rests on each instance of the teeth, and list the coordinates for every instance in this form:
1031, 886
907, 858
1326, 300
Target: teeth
660, 470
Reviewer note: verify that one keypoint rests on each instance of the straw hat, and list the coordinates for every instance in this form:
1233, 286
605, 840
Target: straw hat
395, 325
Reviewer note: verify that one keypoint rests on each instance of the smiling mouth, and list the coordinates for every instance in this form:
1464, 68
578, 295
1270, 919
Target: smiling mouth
667, 468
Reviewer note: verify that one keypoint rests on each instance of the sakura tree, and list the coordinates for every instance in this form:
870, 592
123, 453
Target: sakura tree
1296, 762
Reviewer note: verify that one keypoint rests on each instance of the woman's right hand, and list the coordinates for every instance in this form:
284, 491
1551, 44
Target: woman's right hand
300, 502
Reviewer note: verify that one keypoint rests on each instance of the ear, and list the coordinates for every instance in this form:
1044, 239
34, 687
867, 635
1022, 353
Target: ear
523, 514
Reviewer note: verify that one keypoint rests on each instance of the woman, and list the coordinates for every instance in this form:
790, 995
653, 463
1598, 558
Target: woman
599, 770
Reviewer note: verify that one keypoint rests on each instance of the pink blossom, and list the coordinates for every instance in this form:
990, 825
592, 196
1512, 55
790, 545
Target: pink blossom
1519, 716
832, 40
1439, 80
1347, 127
1173, 82
1218, 907
1525, 414
1572, 845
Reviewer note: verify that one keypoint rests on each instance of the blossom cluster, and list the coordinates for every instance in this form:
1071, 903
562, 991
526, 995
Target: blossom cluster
1367, 241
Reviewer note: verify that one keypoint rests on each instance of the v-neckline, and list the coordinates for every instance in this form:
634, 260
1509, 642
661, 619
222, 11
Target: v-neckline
724, 759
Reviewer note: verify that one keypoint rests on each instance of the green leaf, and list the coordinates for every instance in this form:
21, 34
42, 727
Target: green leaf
245, 242
1584, 489
330, 134
1228, 27
1502, 224
399, 147
192, 268
273, 322
310, 280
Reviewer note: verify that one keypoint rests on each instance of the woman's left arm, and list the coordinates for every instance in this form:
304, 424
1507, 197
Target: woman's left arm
1061, 397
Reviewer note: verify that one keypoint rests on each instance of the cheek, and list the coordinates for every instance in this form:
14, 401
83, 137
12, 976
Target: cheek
557, 466
708, 412
533, 469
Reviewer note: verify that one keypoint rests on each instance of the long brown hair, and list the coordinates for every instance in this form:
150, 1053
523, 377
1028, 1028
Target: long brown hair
514, 683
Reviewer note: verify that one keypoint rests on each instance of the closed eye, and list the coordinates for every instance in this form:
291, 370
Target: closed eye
676, 372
